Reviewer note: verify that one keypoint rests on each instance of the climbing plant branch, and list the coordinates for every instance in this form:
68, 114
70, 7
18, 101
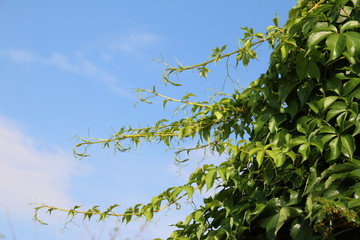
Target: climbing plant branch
297, 175
138, 211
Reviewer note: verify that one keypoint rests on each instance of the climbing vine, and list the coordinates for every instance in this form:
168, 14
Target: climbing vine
297, 175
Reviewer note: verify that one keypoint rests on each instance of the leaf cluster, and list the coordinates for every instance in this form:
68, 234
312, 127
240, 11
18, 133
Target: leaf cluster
297, 176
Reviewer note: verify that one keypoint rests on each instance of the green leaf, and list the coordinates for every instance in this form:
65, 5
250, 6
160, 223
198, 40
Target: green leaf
260, 157
304, 91
354, 203
185, 132
218, 115
336, 44
350, 86
284, 51
317, 37
334, 84
292, 108
357, 128
335, 149
189, 190
301, 230
349, 25
259, 208
345, 12
355, 2
199, 216
348, 145
261, 121
275, 222
278, 157
149, 213
352, 43
292, 155
210, 178
327, 129
323, 26
356, 93
334, 179
316, 106
328, 101
276, 20
203, 71
272, 125
297, 141
327, 137
284, 214
285, 89
333, 112
306, 67
174, 195
311, 181
200, 231
341, 119
317, 143
304, 149
302, 125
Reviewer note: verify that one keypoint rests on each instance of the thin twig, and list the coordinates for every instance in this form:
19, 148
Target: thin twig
175, 100
316, 5
171, 69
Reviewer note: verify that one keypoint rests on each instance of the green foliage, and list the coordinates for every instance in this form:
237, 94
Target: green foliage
297, 177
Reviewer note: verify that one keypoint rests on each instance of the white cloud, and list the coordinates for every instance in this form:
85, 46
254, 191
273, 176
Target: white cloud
80, 65
88, 68
112, 82
135, 41
61, 62
77, 65
31, 174
105, 56
19, 56
85, 67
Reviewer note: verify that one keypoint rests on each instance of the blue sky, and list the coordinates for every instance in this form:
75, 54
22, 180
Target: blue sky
69, 68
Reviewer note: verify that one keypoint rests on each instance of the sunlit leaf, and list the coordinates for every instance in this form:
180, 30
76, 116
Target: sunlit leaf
349, 25
348, 145
352, 43
210, 178
317, 37
335, 149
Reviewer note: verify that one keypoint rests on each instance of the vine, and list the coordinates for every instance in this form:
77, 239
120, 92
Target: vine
297, 175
